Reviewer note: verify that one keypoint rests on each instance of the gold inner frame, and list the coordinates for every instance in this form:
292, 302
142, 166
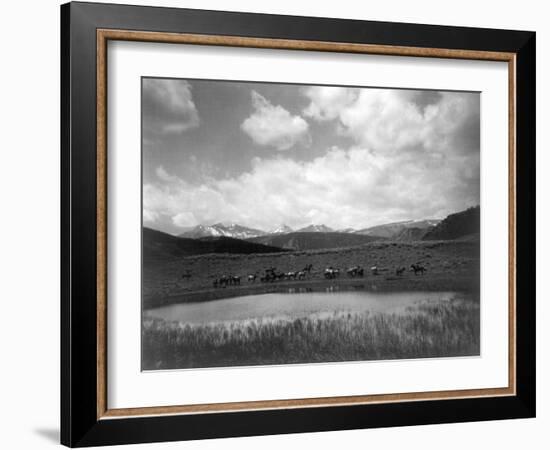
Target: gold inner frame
104, 35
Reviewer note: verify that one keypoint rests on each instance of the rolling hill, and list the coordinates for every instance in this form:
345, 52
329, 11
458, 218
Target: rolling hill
410, 234
314, 240
454, 226
397, 230
159, 245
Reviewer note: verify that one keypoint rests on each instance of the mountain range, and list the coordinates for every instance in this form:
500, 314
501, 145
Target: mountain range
315, 229
237, 239
283, 229
406, 230
219, 229
241, 232
455, 225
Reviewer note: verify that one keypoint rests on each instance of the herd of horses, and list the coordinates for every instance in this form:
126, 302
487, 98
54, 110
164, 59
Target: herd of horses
271, 274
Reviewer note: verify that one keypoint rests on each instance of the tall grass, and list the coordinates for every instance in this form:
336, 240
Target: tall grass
430, 329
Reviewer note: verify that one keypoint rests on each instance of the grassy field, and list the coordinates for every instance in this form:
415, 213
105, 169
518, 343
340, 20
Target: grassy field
428, 329
451, 265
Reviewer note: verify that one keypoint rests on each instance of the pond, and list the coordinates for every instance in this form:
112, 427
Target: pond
291, 305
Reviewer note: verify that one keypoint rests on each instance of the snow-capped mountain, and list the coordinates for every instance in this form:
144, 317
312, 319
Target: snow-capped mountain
316, 229
219, 229
283, 229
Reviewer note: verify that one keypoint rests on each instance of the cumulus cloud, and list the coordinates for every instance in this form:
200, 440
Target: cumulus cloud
327, 102
184, 219
388, 122
150, 217
168, 106
272, 125
165, 176
343, 188
394, 121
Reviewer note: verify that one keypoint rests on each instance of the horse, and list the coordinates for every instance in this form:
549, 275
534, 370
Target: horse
235, 280
290, 275
356, 271
223, 281
269, 275
374, 270
399, 271
331, 273
418, 268
301, 275
252, 278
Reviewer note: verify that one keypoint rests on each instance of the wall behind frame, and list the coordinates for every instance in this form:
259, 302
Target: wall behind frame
29, 190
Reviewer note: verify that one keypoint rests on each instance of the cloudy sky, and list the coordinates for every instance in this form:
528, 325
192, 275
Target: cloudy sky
262, 155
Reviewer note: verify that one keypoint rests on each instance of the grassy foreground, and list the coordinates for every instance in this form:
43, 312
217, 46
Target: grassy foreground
435, 329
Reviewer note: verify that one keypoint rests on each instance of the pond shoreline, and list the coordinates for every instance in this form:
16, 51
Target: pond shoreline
382, 283
289, 306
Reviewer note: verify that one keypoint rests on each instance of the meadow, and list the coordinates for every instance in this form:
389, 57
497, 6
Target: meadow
424, 330
451, 265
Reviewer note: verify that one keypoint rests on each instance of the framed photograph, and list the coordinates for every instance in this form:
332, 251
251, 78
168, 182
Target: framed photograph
276, 224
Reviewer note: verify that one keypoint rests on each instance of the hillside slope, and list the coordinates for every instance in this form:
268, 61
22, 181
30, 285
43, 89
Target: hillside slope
314, 240
157, 244
411, 234
397, 230
456, 225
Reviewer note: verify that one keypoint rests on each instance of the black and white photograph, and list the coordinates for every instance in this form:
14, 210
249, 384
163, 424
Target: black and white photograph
292, 224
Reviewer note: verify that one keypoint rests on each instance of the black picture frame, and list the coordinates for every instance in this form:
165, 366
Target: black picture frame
80, 425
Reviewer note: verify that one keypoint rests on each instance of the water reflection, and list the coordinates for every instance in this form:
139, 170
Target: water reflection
298, 290
295, 302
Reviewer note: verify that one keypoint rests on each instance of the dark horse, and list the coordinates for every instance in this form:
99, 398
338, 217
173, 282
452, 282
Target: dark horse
418, 268
331, 273
356, 271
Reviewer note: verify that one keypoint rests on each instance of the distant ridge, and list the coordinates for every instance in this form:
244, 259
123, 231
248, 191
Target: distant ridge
241, 232
397, 230
458, 225
219, 229
314, 240
346, 230
283, 229
159, 245
315, 229
454, 226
